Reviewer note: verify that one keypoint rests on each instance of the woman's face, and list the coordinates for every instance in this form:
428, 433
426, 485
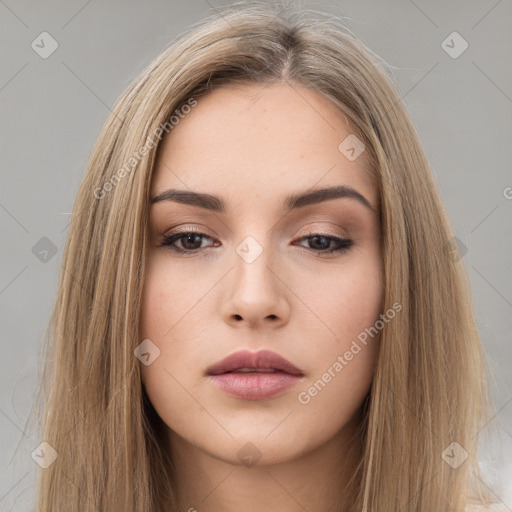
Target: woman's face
256, 274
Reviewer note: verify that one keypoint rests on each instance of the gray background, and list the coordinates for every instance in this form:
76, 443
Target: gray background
53, 109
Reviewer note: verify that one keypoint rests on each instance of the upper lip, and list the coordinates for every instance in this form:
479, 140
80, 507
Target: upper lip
264, 359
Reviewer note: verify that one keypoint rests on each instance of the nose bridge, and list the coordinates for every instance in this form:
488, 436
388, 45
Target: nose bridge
256, 293
256, 248
253, 273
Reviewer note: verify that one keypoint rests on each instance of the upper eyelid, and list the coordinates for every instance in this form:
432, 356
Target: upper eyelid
310, 227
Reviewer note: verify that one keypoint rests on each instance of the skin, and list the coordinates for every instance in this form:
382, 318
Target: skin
252, 146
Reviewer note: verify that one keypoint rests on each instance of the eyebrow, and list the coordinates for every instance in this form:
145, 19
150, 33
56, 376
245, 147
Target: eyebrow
291, 202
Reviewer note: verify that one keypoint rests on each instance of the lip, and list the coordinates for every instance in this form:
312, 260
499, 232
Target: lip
254, 385
264, 359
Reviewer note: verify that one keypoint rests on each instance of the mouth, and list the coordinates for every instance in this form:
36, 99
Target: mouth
254, 376
244, 361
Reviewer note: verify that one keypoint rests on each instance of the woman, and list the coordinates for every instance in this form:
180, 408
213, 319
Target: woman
261, 306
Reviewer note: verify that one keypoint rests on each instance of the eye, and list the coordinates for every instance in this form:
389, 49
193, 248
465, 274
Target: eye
323, 243
191, 242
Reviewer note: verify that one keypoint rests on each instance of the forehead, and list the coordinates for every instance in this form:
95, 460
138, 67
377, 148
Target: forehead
256, 142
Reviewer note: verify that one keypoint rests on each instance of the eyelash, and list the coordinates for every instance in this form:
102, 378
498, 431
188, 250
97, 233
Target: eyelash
168, 241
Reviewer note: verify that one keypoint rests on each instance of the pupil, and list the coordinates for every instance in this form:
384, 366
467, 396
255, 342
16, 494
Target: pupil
190, 238
323, 238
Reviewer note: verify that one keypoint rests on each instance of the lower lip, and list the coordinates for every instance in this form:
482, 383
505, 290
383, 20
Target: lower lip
255, 386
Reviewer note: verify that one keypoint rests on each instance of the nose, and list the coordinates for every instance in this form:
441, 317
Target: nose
257, 296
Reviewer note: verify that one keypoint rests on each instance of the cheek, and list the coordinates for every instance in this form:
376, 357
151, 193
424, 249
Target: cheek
159, 297
341, 302
172, 301
342, 364
172, 317
156, 319
346, 307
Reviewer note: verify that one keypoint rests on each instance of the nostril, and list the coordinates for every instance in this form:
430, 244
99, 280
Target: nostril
238, 317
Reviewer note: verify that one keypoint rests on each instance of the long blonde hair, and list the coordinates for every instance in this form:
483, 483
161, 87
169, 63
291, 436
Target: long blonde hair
429, 389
